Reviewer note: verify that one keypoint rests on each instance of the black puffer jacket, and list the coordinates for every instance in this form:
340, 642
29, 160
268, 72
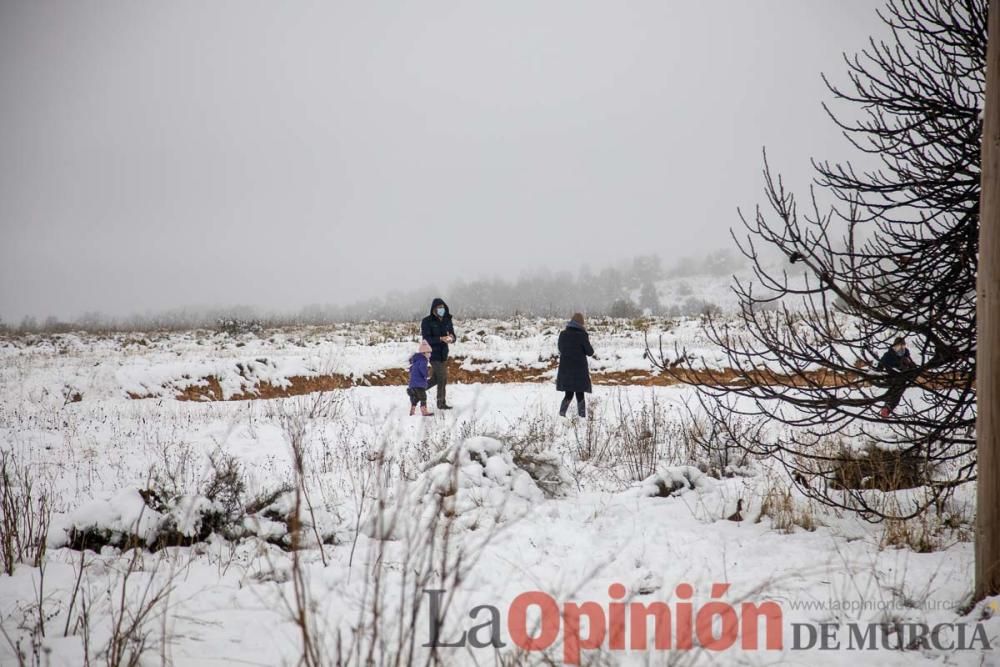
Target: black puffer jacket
574, 348
432, 328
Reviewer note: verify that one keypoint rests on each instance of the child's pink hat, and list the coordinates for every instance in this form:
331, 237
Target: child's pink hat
424, 347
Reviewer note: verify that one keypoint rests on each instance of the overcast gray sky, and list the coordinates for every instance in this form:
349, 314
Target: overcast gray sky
164, 154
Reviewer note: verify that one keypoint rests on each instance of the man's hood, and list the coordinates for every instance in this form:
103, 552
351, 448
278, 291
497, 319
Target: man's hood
440, 302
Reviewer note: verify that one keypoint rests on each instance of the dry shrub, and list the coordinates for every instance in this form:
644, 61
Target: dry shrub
779, 505
25, 515
637, 435
933, 530
227, 484
714, 448
879, 469
914, 534
592, 443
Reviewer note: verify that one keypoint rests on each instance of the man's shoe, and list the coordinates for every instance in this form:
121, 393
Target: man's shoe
442, 406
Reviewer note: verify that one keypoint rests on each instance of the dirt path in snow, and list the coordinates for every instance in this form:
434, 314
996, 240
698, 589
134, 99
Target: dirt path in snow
209, 388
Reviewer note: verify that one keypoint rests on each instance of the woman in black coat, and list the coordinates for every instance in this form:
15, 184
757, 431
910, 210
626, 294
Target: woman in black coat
574, 375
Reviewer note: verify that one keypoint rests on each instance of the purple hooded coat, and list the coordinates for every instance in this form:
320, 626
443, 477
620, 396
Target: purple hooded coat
419, 371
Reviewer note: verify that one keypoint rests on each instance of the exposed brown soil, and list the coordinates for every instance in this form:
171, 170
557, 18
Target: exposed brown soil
209, 389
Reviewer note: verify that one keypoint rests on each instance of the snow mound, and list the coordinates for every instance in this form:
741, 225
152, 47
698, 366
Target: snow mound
147, 517
474, 485
118, 519
141, 517
191, 515
272, 524
674, 481
547, 470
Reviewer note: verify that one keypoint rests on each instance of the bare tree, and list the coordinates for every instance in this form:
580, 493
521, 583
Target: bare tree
894, 255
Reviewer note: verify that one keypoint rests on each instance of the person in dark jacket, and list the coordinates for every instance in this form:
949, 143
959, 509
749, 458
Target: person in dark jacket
438, 331
573, 376
895, 362
419, 372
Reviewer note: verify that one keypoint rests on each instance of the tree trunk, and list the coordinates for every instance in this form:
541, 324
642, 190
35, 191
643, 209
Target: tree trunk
988, 330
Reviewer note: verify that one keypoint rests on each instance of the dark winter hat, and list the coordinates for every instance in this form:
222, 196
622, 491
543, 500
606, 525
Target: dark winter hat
578, 318
899, 341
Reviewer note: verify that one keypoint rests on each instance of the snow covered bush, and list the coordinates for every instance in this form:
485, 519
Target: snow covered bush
147, 518
474, 485
226, 486
123, 519
530, 444
275, 523
235, 326
172, 509
547, 470
139, 517
674, 481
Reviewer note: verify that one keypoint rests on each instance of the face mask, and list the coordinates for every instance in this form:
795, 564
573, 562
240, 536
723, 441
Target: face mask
901, 352
440, 311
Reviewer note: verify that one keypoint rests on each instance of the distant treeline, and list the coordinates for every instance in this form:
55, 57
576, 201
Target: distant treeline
626, 290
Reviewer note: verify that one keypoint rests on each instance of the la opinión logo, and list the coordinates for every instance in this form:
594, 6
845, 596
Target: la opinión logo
716, 625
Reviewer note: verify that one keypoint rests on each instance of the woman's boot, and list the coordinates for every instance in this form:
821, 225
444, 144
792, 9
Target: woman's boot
563, 407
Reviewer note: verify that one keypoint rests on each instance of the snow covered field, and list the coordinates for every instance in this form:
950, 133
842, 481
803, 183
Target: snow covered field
497, 498
164, 364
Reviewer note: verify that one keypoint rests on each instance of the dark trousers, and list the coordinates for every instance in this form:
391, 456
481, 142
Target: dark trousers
439, 379
581, 403
897, 385
417, 395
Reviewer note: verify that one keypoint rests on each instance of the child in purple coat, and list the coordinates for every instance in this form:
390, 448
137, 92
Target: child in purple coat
419, 376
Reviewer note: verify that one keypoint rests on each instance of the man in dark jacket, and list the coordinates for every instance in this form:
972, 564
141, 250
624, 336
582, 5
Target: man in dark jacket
895, 362
437, 330
573, 376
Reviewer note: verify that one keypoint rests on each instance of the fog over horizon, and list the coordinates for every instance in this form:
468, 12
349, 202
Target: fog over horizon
159, 156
